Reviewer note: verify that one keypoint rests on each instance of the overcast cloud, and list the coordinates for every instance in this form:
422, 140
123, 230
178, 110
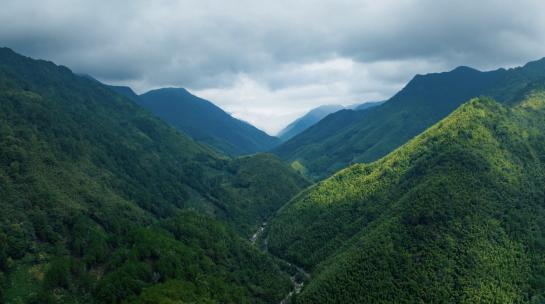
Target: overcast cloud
269, 62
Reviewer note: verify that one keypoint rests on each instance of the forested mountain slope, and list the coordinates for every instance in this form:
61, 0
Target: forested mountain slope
125, 91
456, 215
95, 193
206, 122
344, 138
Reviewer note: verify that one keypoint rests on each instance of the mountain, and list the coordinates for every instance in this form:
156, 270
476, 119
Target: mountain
456, 215
317, 114
205, 122
125, 91
344, 138
367, 105
104, 203
307, 120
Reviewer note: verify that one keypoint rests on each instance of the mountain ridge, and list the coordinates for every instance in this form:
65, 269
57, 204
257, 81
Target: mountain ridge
307, 120
450, 216
202, 120
103, 202
315, 115
344, 139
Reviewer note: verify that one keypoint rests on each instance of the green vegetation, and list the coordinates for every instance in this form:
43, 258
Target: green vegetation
190, 258
95, 195
456, 215
104, 203
204, 121
349, 137
265, 179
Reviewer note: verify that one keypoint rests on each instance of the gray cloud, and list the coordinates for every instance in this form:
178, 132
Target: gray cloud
268, 62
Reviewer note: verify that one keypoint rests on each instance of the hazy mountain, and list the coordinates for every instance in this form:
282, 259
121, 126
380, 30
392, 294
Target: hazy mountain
343, 138
455, 215
99, 200
317, 114
307, 120
367, 105
202, 120
206, 122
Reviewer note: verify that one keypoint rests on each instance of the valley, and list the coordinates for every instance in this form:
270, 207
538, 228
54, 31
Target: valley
298, 275
122, 207
434, 195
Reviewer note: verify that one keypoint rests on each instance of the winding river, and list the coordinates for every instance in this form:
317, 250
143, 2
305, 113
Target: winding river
297, 286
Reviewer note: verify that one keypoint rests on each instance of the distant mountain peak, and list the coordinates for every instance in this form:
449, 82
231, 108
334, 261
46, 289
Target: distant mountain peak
5, 51
307, 120
345, 138
206, 122
367, 105
538, 61
463, 68
536, 65
169, 90
328, 106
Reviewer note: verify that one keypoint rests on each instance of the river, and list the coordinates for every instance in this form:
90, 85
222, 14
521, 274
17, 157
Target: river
297, 286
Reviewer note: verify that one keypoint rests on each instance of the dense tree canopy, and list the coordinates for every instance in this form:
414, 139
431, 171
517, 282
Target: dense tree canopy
102, 202
95, 191
456, 215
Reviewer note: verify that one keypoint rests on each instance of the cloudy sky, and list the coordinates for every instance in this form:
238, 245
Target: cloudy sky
268, 62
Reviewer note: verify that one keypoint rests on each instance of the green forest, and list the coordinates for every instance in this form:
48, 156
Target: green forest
434, 196
455, 215
103, 202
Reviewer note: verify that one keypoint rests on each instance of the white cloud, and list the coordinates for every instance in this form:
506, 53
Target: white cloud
275, 59
273, 100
